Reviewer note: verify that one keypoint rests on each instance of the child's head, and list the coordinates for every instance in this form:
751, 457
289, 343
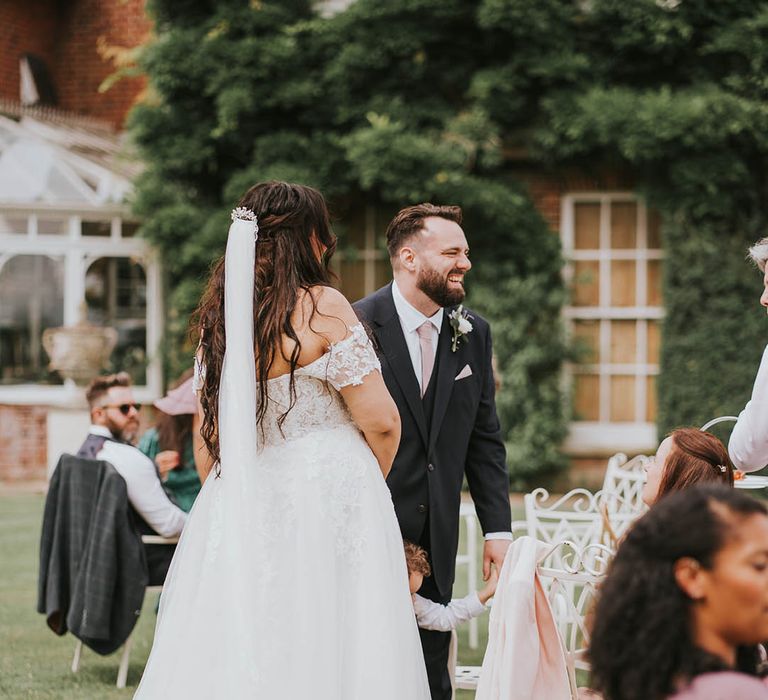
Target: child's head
418, 565
687, 456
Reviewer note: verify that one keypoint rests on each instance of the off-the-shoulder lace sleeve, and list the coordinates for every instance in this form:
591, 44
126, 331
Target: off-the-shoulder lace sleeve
351, 359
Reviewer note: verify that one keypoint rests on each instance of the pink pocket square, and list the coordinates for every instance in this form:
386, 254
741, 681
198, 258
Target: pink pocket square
466, 372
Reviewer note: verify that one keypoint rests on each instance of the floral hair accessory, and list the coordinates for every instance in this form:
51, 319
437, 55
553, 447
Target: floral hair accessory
460, 322
722, 468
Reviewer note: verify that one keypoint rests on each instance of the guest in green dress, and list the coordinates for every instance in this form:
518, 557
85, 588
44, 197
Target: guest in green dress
169, 444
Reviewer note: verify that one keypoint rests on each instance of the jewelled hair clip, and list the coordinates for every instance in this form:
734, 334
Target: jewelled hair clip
722, 468
245, 214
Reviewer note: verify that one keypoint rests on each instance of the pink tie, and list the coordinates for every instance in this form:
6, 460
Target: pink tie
427, 354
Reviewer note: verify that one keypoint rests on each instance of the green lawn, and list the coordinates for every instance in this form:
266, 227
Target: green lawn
35, 663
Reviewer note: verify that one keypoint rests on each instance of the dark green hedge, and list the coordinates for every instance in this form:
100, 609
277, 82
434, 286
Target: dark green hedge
382, 105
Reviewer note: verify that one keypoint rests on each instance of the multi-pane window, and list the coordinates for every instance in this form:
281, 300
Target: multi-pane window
32, 294
56, 265
614, 258
116, 296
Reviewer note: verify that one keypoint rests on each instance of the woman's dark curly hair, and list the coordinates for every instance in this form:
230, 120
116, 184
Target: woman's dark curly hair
642, 644
286, 263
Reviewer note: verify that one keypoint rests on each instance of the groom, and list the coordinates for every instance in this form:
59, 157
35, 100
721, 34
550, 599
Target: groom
436, 363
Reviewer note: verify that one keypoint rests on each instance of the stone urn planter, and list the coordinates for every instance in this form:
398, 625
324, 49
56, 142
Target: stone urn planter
79, 352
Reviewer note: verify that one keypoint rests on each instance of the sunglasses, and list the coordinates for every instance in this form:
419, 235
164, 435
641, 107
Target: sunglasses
124, 408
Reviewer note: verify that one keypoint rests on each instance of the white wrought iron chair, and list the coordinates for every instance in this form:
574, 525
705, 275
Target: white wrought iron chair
719, 419
625, 479
468, 558
125, 656
579, 516
571, 576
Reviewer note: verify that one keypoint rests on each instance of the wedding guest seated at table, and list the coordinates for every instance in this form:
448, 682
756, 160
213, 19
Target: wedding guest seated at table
169, 443
687, 456
684, 604
434, 616
114, 424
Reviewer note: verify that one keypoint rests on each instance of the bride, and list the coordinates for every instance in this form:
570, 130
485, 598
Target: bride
289, 580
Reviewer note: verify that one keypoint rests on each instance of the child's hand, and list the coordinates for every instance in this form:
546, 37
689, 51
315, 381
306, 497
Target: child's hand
489, 589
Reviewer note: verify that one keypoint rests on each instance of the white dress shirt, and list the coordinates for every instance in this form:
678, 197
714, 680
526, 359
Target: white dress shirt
444, 618
748, 445
145, 492
410, 320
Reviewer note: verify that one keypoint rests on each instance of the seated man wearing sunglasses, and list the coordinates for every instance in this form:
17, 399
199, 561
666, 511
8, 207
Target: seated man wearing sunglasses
114, 426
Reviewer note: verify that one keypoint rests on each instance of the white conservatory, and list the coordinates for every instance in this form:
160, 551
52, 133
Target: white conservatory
68, 252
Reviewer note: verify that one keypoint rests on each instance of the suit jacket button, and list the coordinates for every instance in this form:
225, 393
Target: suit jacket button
422, 508
431, 467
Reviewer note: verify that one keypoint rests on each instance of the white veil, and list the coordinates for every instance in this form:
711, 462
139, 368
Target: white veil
237, 386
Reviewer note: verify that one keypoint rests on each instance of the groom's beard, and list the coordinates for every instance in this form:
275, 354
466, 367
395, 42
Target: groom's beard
436, 288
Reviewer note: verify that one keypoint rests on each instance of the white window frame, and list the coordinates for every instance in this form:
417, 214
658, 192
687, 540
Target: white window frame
78, 252
604, 435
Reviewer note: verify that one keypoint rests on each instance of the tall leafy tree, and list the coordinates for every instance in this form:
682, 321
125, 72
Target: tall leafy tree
383, 105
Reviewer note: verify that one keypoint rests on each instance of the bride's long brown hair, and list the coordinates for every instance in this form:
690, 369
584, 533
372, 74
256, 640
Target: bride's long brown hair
291, 218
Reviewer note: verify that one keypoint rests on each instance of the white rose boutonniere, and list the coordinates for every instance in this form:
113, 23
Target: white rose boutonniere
460, 323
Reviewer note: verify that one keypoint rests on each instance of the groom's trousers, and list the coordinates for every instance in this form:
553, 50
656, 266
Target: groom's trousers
435, 645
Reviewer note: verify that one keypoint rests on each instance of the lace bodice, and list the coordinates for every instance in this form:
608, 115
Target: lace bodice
318, 404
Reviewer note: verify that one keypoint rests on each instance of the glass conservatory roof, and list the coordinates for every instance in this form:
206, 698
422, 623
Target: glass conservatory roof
62, 164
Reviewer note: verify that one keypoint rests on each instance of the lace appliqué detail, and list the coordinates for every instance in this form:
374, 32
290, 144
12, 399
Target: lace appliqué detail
352, 359
341, 487
318, 404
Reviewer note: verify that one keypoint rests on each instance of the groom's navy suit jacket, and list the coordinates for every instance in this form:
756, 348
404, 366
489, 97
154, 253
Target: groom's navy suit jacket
455, 433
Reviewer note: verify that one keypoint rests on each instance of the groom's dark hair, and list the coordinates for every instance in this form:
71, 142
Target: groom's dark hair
409, 221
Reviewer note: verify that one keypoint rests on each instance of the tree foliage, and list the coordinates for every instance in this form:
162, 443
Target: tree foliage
387, 103
677, 96
383, 104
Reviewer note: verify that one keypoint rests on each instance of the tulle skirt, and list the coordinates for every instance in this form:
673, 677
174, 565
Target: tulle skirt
289, 582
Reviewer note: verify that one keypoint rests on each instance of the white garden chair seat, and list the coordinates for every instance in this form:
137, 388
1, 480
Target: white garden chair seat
623, 483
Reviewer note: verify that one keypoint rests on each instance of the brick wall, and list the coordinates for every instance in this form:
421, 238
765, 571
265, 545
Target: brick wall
80, 69
23, 443
66, 36
25, 27
547, 189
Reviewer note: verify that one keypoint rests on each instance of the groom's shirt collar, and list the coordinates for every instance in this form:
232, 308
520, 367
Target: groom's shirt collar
412, 318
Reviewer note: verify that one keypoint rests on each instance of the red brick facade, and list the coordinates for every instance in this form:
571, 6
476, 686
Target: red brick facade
66, 36
23, 443
547, 189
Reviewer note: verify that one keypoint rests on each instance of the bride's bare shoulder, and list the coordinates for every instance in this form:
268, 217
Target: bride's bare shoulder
327, 313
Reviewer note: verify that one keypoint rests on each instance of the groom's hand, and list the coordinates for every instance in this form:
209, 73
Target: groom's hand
494, 552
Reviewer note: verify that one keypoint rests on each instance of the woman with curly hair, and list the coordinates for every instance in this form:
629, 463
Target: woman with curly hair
687, 456
685, 602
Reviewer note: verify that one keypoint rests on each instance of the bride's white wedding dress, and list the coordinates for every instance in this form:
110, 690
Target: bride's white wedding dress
289, 581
